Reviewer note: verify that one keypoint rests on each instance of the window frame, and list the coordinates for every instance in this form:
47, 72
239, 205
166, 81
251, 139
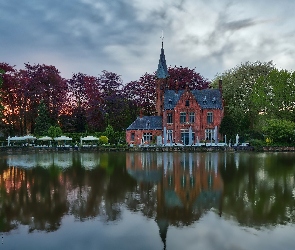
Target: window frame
192, 117
209, 117
182, 117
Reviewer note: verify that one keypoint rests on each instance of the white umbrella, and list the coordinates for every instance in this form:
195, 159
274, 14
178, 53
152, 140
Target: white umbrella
29, 137
45, 138
17, 138
90, 138
62, 138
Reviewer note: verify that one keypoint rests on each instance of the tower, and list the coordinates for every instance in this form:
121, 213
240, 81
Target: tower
161, 81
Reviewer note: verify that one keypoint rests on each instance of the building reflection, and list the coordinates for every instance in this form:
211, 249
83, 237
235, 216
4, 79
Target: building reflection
187, 185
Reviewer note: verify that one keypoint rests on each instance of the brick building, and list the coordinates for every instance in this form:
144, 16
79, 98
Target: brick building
183, 116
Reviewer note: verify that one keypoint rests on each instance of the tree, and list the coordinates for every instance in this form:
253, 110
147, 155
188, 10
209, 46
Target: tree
1, 82
143, 93
273, 95
228, 127
43, 122
12, 99
107, 102
54, 131
43, 82
237, 88
79, 93
181, 77
280, 131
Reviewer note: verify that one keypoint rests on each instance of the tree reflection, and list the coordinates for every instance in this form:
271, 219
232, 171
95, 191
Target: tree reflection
172, 188
260, 190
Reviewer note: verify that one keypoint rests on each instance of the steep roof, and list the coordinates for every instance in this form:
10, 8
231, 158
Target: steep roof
171, 98
162, 71
206, 98
146, 122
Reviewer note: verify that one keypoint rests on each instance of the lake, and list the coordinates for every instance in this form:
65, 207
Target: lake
147, 200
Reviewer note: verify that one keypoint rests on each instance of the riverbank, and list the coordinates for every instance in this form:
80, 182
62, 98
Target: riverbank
146, 149
122, 148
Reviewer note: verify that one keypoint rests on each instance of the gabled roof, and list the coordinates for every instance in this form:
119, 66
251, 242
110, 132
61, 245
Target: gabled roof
162, 71
171, 98
146, 122
206, 98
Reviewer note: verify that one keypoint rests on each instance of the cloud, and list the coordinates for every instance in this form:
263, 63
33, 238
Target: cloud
123, 36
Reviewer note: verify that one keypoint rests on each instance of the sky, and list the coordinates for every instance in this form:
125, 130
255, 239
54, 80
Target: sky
124, 36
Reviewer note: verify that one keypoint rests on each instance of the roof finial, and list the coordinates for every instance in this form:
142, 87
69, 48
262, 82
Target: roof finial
162, 37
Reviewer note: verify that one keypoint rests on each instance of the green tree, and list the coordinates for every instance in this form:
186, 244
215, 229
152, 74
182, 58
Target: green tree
228, 127
110, 133
237, 88
273, 95
279, 131
42, 121
54, 131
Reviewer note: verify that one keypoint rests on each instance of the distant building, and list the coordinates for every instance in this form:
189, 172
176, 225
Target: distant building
183, 116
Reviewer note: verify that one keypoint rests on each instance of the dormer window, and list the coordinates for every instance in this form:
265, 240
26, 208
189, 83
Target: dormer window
205, 100
214, 100
148, 124
170, 102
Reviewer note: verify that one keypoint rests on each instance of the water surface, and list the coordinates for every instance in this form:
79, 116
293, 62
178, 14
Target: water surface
79, 200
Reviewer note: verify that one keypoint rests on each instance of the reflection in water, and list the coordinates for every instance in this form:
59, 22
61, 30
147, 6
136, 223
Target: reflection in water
187, 185
48, 159
41, 191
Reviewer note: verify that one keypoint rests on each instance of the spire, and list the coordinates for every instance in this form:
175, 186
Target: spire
162, 71
163, 228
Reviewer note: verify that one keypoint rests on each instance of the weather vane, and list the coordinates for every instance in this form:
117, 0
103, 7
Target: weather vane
162, 37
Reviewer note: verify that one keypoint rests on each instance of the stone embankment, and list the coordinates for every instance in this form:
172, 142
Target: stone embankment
128, 149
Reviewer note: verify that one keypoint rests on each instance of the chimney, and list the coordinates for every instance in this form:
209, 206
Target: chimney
220, 86
140, 113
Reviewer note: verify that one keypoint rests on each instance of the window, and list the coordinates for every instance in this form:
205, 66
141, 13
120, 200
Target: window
147, 137
182, 117
191, 117
169, 118
209, 117
209, 134
132, 136
187, 103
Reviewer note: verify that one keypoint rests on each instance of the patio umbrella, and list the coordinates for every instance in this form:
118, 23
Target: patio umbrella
29, 137
62, 138
90, 138
45, 138
17, 138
